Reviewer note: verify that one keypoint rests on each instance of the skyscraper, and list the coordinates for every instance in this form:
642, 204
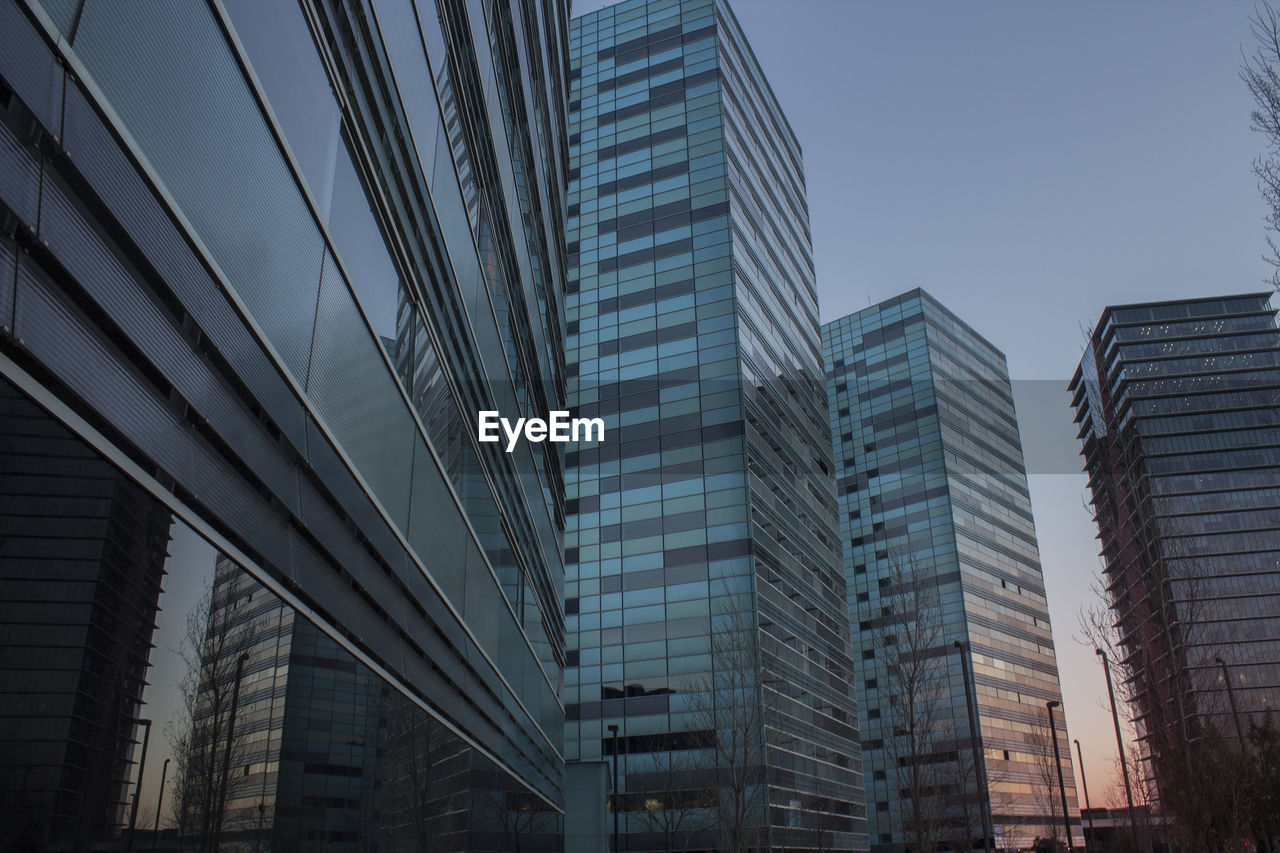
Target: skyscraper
707, 632
82, 553
267, 261
940, 550
1180, 427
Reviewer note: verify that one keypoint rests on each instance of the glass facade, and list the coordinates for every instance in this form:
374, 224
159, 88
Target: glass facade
706, 616
265, 261
1179, 412
940, 548
82, 554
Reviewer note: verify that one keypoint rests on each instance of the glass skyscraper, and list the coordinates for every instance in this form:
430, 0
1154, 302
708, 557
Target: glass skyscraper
265, 262
940, 549
708, 642
1179, 412
82, 554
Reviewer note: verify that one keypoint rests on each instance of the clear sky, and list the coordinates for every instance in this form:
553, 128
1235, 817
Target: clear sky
1028, 164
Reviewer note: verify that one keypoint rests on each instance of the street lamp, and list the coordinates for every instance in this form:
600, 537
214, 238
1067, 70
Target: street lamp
1231, 695
979, 759
155, 830
1085, 783
1124, 764
226, 755
1057, 757
137, 791
613, 729
1235, 715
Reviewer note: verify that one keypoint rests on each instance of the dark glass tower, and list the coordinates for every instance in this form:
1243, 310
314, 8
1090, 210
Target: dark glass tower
268, 260
1179, 412
82, 553
705, 604
940, 548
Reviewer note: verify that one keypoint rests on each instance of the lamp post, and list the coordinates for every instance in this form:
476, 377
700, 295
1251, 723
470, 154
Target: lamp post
1124, 764
226, 754
155, 830
1231, 696
613, 729
979, 759
1057, 757
1085, 784
1235, 715
137, 791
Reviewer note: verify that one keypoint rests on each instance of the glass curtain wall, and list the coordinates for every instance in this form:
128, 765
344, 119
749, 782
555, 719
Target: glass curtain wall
940, 549
705, 608
268, 260
1179, 428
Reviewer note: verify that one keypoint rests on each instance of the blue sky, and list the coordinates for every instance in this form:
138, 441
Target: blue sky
1028, 164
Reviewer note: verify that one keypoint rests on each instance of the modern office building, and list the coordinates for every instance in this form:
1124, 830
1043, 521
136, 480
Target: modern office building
707, 631
1179, 411
322, 748
267, 261
940, 549
82, 554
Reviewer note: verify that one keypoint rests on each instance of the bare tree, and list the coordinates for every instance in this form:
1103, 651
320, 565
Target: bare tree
728, 703
415, 737
922, 738
205, 738
527, 821
1046, 783
677, 799
1265, 742
968, 799
504, 815
1261, 74
1142, 785
425, 780
1163, 633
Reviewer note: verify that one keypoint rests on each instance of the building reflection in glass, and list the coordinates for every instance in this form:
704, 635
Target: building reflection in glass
82, 556
267, 733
